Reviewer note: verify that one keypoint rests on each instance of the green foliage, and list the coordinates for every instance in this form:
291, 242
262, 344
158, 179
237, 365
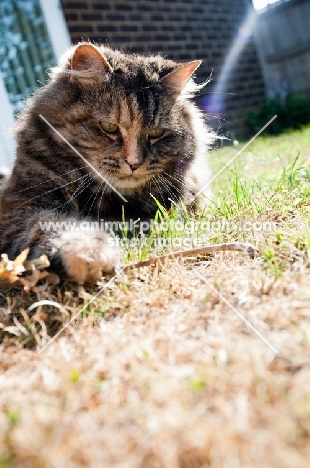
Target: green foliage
196, 384
292, 112
74, 375
13, 416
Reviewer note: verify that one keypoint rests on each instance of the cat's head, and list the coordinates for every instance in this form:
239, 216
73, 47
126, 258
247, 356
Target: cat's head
130, 115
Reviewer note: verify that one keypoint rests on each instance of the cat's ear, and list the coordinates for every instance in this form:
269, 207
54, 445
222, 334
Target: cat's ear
87, 59
176, 81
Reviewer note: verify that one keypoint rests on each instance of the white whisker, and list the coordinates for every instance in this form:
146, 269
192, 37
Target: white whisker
157, 184
164, 182
95, 197
78, 191
57, 176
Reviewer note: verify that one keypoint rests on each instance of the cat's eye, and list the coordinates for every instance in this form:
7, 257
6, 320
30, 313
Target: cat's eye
155, 133
108, 127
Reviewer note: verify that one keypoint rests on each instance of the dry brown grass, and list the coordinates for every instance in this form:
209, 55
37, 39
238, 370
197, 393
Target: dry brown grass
159, 371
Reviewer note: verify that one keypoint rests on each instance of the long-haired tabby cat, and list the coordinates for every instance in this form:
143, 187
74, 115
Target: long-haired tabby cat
130, 117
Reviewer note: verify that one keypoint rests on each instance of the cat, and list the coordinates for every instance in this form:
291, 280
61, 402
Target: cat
107, 135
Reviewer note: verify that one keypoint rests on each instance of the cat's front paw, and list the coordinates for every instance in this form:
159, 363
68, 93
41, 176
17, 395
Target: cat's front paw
85, 255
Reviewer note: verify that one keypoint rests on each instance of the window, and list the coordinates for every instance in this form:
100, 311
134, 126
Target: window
25, 49
33, 34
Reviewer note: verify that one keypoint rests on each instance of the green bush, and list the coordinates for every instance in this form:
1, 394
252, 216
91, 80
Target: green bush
292, 111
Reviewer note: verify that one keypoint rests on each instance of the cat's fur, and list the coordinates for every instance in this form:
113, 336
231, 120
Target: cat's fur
50, 182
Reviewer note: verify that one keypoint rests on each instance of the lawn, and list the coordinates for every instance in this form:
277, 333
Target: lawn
160, 369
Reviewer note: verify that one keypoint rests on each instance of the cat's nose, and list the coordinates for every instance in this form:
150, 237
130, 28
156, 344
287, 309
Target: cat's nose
133, 167
134, 160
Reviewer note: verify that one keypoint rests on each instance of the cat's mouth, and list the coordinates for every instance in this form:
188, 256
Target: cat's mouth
131, 181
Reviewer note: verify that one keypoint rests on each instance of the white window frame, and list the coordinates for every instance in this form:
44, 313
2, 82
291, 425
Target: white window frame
60, 40
7, 141
56, 26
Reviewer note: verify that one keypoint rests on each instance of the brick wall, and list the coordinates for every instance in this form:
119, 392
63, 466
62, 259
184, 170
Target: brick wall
183, 30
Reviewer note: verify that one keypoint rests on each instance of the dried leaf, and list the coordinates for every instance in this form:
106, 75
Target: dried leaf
11, 272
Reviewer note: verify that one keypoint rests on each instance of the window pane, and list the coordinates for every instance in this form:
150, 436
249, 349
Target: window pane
25, 49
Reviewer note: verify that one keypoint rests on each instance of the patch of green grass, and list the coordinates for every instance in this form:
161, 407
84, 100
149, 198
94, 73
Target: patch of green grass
75, 375
13, 416
269, 180
196, 384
